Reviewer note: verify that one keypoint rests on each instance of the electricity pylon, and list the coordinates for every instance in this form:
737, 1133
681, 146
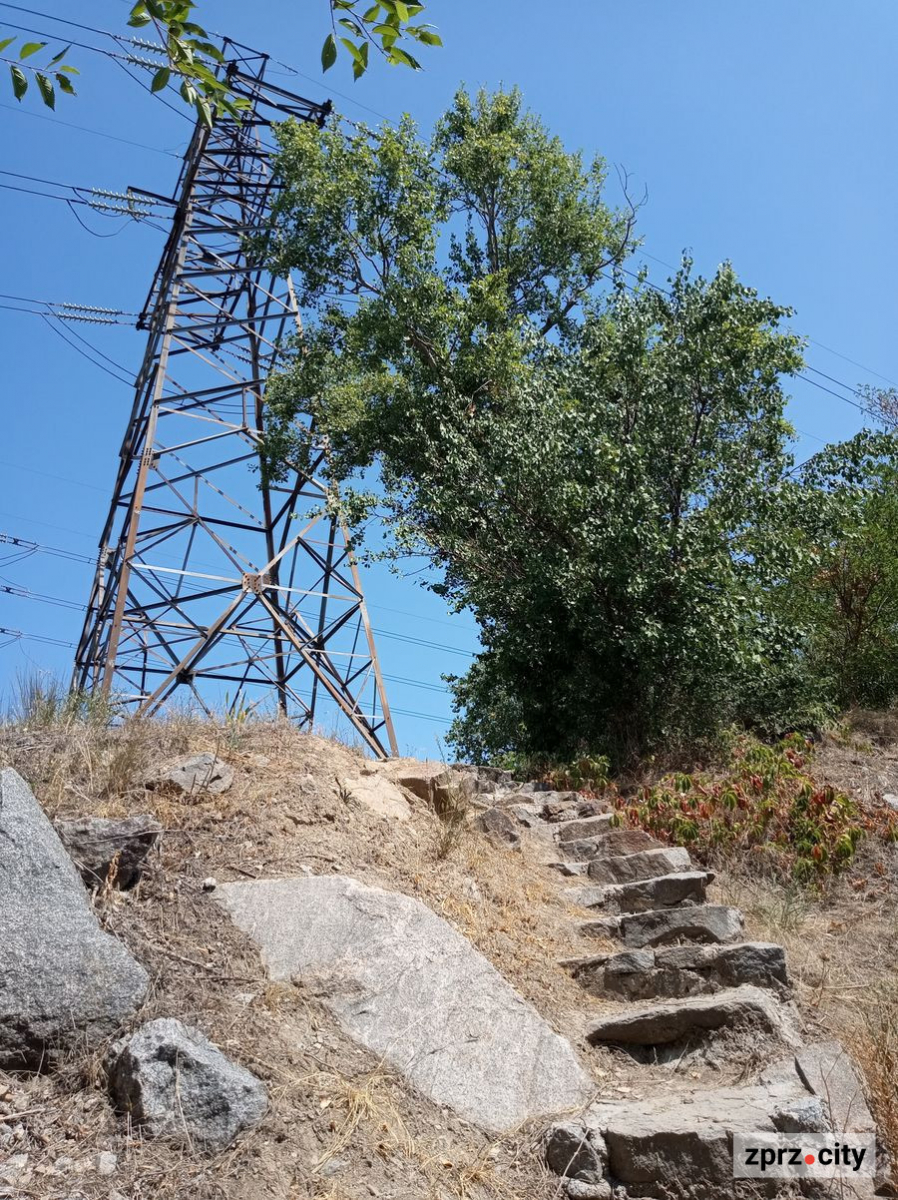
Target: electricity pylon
211, 578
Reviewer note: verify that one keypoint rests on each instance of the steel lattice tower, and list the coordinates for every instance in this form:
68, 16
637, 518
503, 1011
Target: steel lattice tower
209, 578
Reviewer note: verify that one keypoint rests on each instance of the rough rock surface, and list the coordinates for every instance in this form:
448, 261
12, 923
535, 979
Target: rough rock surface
588, 827
827, 1070
173, 1082
415, 992
432, 781
194, 773
380, 796
499, 827
62, 979
624, 841
678, 1144
107, 850
658, 1024
665, 891
676, 971
646, 864
716, 923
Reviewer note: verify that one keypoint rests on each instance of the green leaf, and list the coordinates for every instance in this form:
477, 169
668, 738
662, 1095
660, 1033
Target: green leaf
427, 36
397, 56
19, 82
160, 79
401, 11
65, 85
139, 16
359, 67
204, 111
70, 70
328, 53
6, 42
48, 95
30, 48
352, 26
59, 57
372, 14
354, 51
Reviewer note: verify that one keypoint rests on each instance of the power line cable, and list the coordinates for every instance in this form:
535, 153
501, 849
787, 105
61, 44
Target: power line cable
25, 112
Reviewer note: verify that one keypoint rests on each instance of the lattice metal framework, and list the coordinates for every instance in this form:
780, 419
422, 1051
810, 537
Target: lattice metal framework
244, 593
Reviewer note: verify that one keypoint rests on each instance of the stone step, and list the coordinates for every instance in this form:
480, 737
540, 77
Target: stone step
673, 1021
623, 841
587, 827
706, 923
675, 1143
585, 848
677, 971
586, 896
665, 891
644, 864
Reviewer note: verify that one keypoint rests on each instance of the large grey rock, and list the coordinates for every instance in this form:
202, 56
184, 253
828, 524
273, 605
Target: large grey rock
407, 986
677, 971
173, 1082
826, 1068
666, 891
194, 774
63, 981
659, 1024
677, 1144
646, 864
715, 923
107, 851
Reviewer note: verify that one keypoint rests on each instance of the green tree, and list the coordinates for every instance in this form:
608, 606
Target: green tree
593, 470
843, 590
357, 26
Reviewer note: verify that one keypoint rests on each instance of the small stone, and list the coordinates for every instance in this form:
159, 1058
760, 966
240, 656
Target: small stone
576, 1152
801, 1116
106, 1163
578, 1190
194, 774
210, 883
173, 1081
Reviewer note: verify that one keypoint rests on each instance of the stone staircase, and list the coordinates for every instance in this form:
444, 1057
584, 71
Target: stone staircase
677, 976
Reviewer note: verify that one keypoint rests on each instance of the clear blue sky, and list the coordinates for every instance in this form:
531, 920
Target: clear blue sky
762, 130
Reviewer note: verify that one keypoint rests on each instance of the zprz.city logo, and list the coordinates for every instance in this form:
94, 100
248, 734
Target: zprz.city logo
802, 1156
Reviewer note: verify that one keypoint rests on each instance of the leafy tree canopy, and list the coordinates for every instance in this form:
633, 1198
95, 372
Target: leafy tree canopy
594, 470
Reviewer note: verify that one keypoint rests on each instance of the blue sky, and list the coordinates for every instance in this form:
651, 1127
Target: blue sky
762, 131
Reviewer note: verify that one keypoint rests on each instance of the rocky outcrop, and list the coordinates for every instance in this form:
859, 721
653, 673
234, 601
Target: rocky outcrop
408, 987
63, 981
107, 852
173, 1082
379, 796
